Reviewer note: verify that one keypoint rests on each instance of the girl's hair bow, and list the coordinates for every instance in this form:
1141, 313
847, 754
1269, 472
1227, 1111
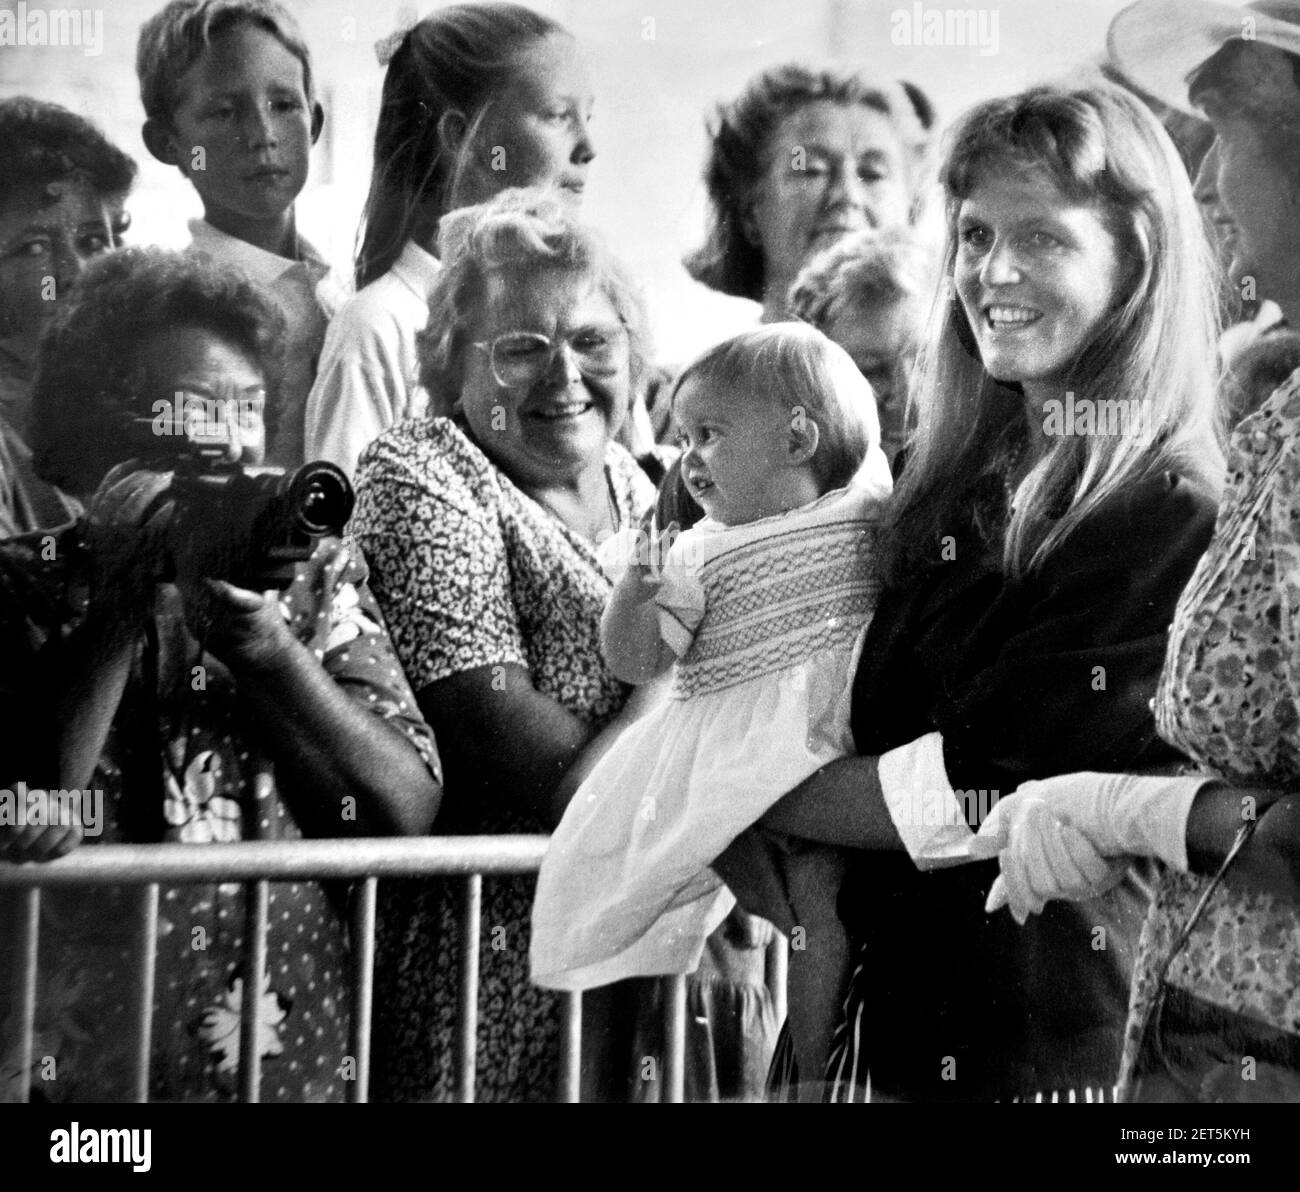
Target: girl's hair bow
386, 47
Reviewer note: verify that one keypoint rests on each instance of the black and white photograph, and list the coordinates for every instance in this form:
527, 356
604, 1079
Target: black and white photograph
647, 552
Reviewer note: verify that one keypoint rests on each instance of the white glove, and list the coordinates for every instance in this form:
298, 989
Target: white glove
1118, 815
1042, 857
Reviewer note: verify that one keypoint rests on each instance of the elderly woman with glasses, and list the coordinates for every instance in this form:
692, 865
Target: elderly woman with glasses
481, 526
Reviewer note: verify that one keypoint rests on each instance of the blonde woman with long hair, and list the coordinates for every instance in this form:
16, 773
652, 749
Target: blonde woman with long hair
1056, 495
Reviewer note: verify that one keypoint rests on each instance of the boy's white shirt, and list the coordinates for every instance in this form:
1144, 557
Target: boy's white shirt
267, 268
308, 293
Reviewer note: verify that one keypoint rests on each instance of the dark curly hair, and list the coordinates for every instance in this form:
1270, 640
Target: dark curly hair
43, 142
738, 141
88, 373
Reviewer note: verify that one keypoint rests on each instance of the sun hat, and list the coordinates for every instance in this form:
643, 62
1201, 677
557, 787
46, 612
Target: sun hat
1158, 44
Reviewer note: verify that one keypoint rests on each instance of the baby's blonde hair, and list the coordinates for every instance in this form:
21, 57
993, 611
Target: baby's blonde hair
799, 368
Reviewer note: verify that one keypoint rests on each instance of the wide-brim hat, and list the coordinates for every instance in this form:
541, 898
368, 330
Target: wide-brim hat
1158, 44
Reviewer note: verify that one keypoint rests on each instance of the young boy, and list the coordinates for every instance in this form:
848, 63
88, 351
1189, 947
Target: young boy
62, 194
228, 100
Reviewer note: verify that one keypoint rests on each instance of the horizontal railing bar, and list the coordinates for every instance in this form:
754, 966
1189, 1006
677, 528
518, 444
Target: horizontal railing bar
282, 860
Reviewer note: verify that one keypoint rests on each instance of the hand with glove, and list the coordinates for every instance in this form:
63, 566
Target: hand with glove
1070, 836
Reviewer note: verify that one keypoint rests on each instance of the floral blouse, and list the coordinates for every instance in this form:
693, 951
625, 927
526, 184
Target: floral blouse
191, 747
1227, 699
471, 572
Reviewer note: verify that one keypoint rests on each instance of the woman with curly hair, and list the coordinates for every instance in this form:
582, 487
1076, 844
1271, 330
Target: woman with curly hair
800, 159
142, 666
62, 191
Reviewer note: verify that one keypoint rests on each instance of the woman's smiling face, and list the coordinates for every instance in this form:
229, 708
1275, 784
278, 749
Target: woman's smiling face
548, 431
1037, 274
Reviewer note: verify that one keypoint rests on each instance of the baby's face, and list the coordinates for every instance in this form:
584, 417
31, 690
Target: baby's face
243, 127
734, 445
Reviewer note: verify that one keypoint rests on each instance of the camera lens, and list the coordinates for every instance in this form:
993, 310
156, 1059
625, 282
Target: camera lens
322, 497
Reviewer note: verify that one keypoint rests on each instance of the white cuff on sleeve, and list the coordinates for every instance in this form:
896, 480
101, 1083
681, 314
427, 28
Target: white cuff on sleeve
925, 809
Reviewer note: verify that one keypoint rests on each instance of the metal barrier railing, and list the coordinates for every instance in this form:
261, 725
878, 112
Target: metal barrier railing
259, 863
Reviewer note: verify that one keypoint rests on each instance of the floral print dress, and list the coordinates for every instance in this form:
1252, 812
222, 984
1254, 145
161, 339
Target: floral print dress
471, 572
1227, 699
182, 767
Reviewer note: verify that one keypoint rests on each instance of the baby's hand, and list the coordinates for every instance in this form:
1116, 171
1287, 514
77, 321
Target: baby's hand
652, 549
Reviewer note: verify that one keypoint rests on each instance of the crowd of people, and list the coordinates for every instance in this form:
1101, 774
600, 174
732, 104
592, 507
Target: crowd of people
944, 621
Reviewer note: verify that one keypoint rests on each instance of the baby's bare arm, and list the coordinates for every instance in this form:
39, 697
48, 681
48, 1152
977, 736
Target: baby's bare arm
629, 630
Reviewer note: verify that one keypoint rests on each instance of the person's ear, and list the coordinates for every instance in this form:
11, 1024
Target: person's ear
805, 435
160, 140
317, 121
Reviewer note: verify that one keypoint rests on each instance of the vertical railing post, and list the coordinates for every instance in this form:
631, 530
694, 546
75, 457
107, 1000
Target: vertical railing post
674, 1086
570, 1091
29, 951
467, 995
147, 943
250, 1057
363, 987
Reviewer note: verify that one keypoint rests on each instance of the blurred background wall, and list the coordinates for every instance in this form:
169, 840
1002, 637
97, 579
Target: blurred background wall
659, 65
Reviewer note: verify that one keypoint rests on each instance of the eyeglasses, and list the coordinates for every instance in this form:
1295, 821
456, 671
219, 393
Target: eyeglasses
521, 358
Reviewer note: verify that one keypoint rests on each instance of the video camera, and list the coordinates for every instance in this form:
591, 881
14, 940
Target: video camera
247, 525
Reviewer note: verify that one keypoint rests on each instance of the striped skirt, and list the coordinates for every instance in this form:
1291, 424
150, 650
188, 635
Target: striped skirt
846, 1078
